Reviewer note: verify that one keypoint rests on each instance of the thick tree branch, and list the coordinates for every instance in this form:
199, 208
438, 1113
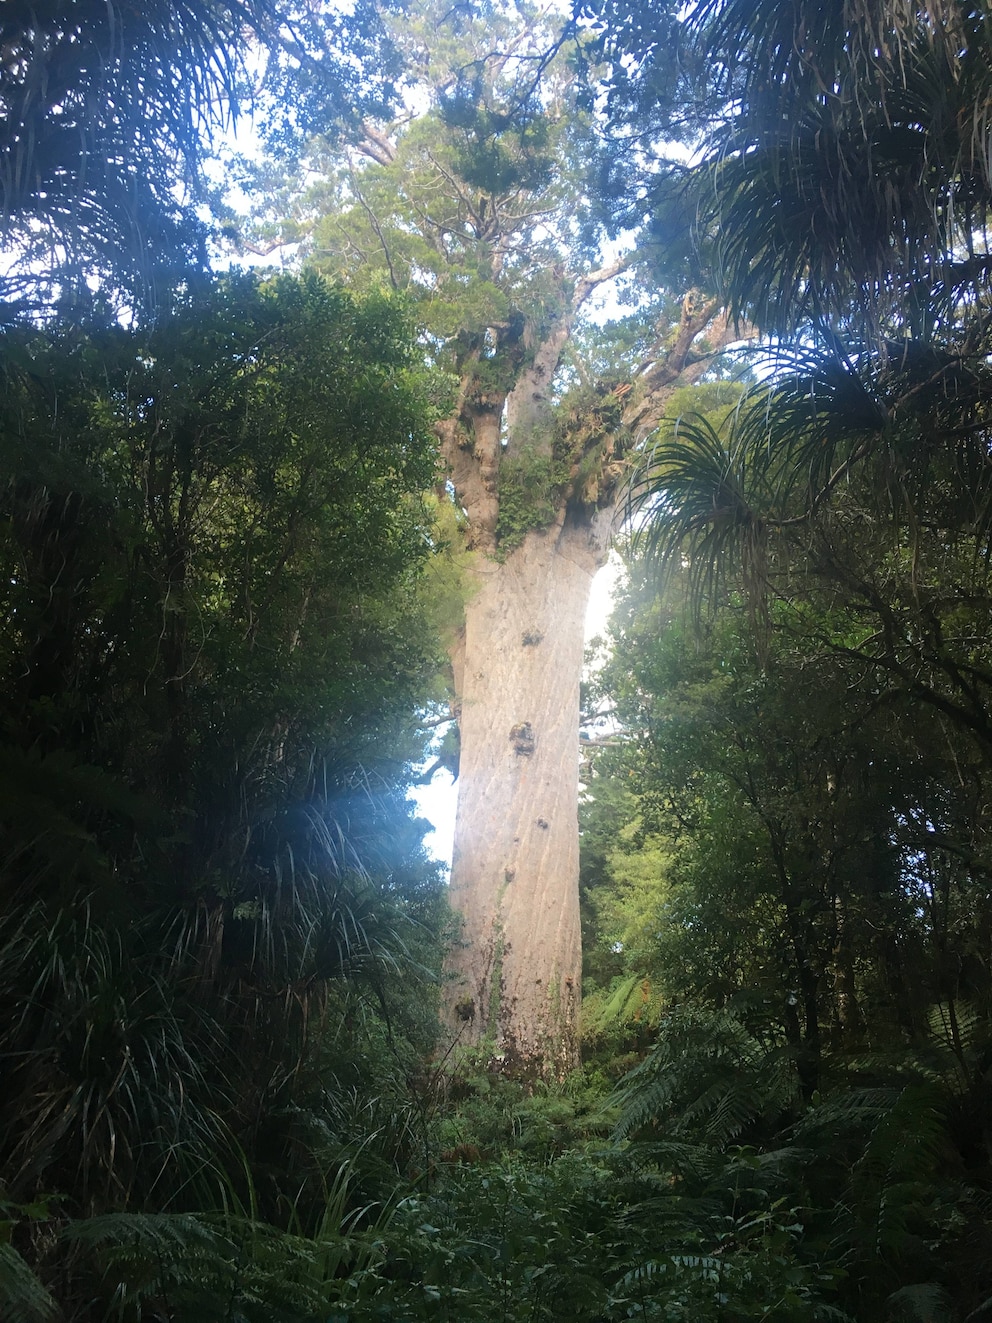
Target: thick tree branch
585, 285
376, 145
682, 362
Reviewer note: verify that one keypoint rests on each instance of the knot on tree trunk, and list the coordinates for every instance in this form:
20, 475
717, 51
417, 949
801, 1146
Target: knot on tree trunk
523, 738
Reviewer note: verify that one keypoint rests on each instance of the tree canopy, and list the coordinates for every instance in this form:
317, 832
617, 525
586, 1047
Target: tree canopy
213, 531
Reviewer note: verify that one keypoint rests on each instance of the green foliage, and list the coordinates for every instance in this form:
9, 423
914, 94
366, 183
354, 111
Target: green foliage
490, 1116
498, 151
219, 939
297, 440
469, 206
627, 1007
474, 209
219, 935
838, 178
667, 1233
528, 1256
530, 494
777, 847
582, 464
707, 1077
23, 1297
447, 581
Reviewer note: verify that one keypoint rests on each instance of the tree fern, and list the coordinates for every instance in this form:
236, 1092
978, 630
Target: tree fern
628, 1000
894, 1179
921, 1302
706, 1077
220, 1266
174, 1262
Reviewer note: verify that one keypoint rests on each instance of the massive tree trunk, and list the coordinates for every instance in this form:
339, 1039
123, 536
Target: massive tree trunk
516, 973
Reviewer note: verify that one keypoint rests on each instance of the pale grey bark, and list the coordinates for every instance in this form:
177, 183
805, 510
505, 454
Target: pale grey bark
515, 974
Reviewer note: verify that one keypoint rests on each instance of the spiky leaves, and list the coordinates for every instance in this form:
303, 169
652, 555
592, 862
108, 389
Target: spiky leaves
851, 177
106, 115
901, 438
840, 163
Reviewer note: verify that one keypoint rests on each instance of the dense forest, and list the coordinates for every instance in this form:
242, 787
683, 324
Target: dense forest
701, 1029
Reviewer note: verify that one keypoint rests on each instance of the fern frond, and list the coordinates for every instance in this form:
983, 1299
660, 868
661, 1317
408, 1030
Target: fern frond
144, 1257
23, 1299
706, 1076
704, 1266
851, 1110
202, 1266
922, 1302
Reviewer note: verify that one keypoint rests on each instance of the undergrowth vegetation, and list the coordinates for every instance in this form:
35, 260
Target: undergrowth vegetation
225, 1092
711, 1196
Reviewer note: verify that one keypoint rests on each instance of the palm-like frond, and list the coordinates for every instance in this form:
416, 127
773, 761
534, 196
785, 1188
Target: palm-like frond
105, 1083
856, 156
908, 431
107, 110
852, 165
631, 1000
693, 500
900, 1163
707, 500
159, 1260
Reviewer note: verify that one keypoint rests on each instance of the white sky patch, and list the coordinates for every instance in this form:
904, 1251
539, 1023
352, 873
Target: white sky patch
437, 803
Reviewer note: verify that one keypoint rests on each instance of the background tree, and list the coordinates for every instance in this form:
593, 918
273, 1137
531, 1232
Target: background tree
214, 903
838, 517
864, 462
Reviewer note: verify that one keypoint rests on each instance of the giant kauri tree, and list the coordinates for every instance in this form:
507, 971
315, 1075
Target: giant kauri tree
475, 208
